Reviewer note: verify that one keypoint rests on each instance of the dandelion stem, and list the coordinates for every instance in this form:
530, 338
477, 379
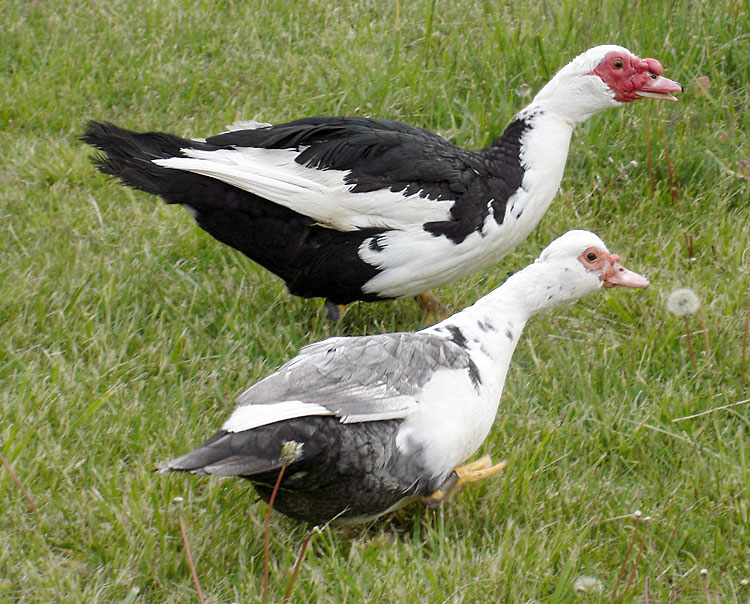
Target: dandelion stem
18, 482
611, 184
189, 557
705, 586
627, 555
635, 567
646, 597
690, 344
267, 534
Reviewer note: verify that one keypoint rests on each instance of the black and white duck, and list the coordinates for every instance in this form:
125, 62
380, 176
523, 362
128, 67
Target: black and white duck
353, 208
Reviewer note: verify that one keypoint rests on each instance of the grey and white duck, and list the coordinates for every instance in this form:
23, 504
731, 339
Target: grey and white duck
353, 208
364, 425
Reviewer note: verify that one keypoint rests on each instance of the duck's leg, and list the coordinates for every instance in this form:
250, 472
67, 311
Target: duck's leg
335, 311
430, 304
460, 477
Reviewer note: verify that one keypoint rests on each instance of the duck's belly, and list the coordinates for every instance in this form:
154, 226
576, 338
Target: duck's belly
343, 501
349, 473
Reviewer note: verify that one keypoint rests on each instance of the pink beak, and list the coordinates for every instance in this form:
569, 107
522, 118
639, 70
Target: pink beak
622, 276
659, 87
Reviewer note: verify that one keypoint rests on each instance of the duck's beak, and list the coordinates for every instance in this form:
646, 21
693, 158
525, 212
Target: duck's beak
619, 275
659, 87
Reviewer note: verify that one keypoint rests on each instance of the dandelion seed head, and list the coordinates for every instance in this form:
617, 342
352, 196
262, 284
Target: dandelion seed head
704, 571
290, 452
523, 90
683, 302
178, 500
587, 584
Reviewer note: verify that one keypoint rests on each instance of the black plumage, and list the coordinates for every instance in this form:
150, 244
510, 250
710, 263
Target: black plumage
313, 260
345, 472
308, 257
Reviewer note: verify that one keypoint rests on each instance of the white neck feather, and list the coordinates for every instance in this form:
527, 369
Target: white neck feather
506, 310
573, 97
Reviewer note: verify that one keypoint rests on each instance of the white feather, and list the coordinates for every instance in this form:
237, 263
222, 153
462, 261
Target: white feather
323, 195
246, 125
247, 417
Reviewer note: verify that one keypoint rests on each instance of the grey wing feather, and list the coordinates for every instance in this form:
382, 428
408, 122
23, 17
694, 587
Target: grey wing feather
367, 377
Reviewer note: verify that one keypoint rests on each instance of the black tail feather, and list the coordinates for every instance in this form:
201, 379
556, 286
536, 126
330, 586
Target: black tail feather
128, 155
314, 261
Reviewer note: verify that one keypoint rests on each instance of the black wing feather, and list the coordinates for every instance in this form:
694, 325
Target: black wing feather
384, 154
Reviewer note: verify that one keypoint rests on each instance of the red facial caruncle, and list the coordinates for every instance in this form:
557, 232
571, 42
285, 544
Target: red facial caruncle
631, 77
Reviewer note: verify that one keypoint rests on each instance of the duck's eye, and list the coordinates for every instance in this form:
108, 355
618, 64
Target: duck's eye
617, 63
591, 256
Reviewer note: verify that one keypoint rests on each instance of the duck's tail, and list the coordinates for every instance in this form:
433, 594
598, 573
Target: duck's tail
128, 156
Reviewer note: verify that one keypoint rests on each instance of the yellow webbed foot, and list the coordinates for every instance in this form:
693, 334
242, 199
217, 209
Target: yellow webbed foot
460, 477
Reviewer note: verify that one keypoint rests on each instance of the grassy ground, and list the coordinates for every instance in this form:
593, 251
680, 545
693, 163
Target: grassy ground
125, 332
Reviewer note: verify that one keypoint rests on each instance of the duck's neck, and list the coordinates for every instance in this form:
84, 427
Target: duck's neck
573, 97
492, 326
539, 135
529, 160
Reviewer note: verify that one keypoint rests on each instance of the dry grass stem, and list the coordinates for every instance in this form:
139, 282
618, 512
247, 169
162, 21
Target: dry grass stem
694, 415
189, 557
17, 480
297, 564
689, 245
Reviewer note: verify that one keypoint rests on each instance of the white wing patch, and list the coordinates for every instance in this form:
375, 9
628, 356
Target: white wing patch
372, 417
323, 195
246, 125
247, 417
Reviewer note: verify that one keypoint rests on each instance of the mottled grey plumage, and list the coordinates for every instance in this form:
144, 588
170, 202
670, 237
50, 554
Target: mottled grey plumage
363, 425
370, 377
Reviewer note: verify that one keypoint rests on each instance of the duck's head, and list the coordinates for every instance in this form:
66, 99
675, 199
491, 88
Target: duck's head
584, 265
603, 77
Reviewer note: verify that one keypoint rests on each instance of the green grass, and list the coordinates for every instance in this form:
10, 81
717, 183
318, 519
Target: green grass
126, 332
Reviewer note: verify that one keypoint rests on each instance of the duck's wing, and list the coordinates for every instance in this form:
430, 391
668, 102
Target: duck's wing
359, 379
346, 173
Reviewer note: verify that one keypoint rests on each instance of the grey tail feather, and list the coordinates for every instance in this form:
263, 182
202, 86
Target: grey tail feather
222, 455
